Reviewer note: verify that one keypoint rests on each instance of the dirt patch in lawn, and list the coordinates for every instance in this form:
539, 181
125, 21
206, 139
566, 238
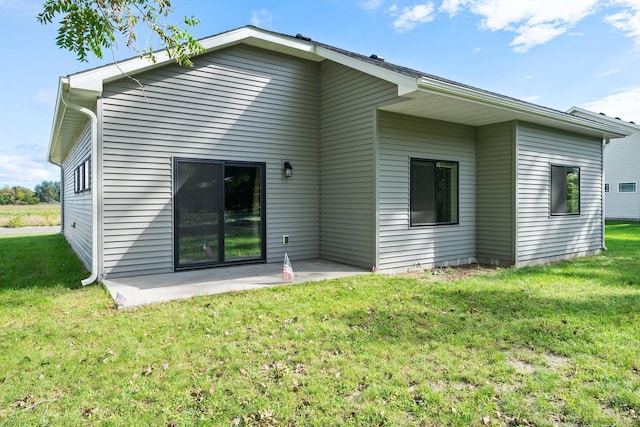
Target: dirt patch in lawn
449, 274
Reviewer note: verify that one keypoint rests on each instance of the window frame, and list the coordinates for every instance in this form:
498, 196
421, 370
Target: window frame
565, 168
635, 187
607, 188
455, 209
82, 176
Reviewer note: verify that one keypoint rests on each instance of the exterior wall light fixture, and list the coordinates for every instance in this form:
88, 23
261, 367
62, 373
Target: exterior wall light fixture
288, 169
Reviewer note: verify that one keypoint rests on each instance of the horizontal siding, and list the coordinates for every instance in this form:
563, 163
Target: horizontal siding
348, 113
241, 104
77, 207
542, 237
496, 193
621, 165
402, 246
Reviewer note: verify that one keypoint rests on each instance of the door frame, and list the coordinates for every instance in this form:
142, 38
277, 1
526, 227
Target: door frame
262, 170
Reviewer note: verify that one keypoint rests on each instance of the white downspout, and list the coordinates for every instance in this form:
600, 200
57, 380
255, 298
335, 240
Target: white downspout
94, 191
604, 145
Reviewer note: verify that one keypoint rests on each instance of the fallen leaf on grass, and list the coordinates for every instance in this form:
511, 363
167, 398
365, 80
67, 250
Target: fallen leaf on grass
87, 412
24, 402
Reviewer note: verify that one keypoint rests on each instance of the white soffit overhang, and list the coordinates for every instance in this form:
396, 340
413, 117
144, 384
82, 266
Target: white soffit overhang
449, 102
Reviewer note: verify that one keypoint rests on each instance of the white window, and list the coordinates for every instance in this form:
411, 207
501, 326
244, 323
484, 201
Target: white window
606, 188
82, 176
627, 187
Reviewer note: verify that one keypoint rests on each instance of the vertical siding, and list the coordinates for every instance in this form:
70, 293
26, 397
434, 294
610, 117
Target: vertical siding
402, 246
621, 165
348, 122
540, 236
241, 104
77, 207
495, 197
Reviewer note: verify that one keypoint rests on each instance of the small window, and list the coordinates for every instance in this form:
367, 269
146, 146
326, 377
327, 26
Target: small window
627, 187
565, 190
433, 192
606, 188
82, 176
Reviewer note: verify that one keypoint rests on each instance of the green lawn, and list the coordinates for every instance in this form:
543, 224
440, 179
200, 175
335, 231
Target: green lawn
552, 345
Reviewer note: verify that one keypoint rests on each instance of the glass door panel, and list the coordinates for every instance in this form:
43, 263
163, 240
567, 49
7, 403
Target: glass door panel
198, 206
219, 213
243, 212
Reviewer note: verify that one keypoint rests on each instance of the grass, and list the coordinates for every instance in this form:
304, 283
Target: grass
43, 214
551, 345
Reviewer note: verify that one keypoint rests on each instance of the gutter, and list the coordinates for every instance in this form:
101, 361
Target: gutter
94, 193
605, 142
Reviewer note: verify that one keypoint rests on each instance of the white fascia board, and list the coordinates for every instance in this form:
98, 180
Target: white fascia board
58, 117
603, 118
511, 104
405, 84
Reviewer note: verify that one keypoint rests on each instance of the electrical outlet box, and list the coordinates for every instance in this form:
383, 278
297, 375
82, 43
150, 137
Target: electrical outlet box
285, 239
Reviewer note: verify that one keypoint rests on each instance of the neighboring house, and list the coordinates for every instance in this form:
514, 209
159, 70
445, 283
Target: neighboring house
167, 168
621, 170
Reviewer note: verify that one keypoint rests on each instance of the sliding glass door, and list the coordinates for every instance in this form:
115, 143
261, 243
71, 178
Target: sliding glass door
218, 213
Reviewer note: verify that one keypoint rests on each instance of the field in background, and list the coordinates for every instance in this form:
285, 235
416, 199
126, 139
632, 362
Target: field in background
43, 214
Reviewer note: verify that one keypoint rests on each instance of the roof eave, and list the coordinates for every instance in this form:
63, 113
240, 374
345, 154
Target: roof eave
600, 117
511, 104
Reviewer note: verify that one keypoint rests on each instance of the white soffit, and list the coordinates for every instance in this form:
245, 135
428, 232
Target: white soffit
476, 108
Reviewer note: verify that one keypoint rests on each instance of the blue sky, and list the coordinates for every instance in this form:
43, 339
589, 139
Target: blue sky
554, 53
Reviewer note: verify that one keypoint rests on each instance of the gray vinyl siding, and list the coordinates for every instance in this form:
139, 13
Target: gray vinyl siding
403, 246
542, 237
347, 163
241, 104
621, 165
77, 206
496, 193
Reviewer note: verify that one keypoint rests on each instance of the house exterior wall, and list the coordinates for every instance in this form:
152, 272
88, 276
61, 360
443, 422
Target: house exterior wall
241, 104
402, 246
77, 206
542, 237
621, 166
496, 194
349, 102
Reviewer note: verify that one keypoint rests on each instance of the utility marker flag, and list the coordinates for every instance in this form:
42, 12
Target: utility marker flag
287, 270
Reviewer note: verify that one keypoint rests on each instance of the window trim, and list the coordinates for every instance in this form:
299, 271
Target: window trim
635, 187
564, 167
82, 176
413, 224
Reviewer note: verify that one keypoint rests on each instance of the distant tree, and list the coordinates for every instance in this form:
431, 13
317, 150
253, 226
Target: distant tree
48, 191
6, 195
89, 26
24, 196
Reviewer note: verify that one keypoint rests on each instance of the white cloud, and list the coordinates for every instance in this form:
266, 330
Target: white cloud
627, 20
25, 170
45, 97
624, 104
262, 18
371, 4
608, 72
412, 16
21, 5
531, 99
535, 22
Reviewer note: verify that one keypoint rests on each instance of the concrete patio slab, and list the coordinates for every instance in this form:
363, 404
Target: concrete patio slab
141, 290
